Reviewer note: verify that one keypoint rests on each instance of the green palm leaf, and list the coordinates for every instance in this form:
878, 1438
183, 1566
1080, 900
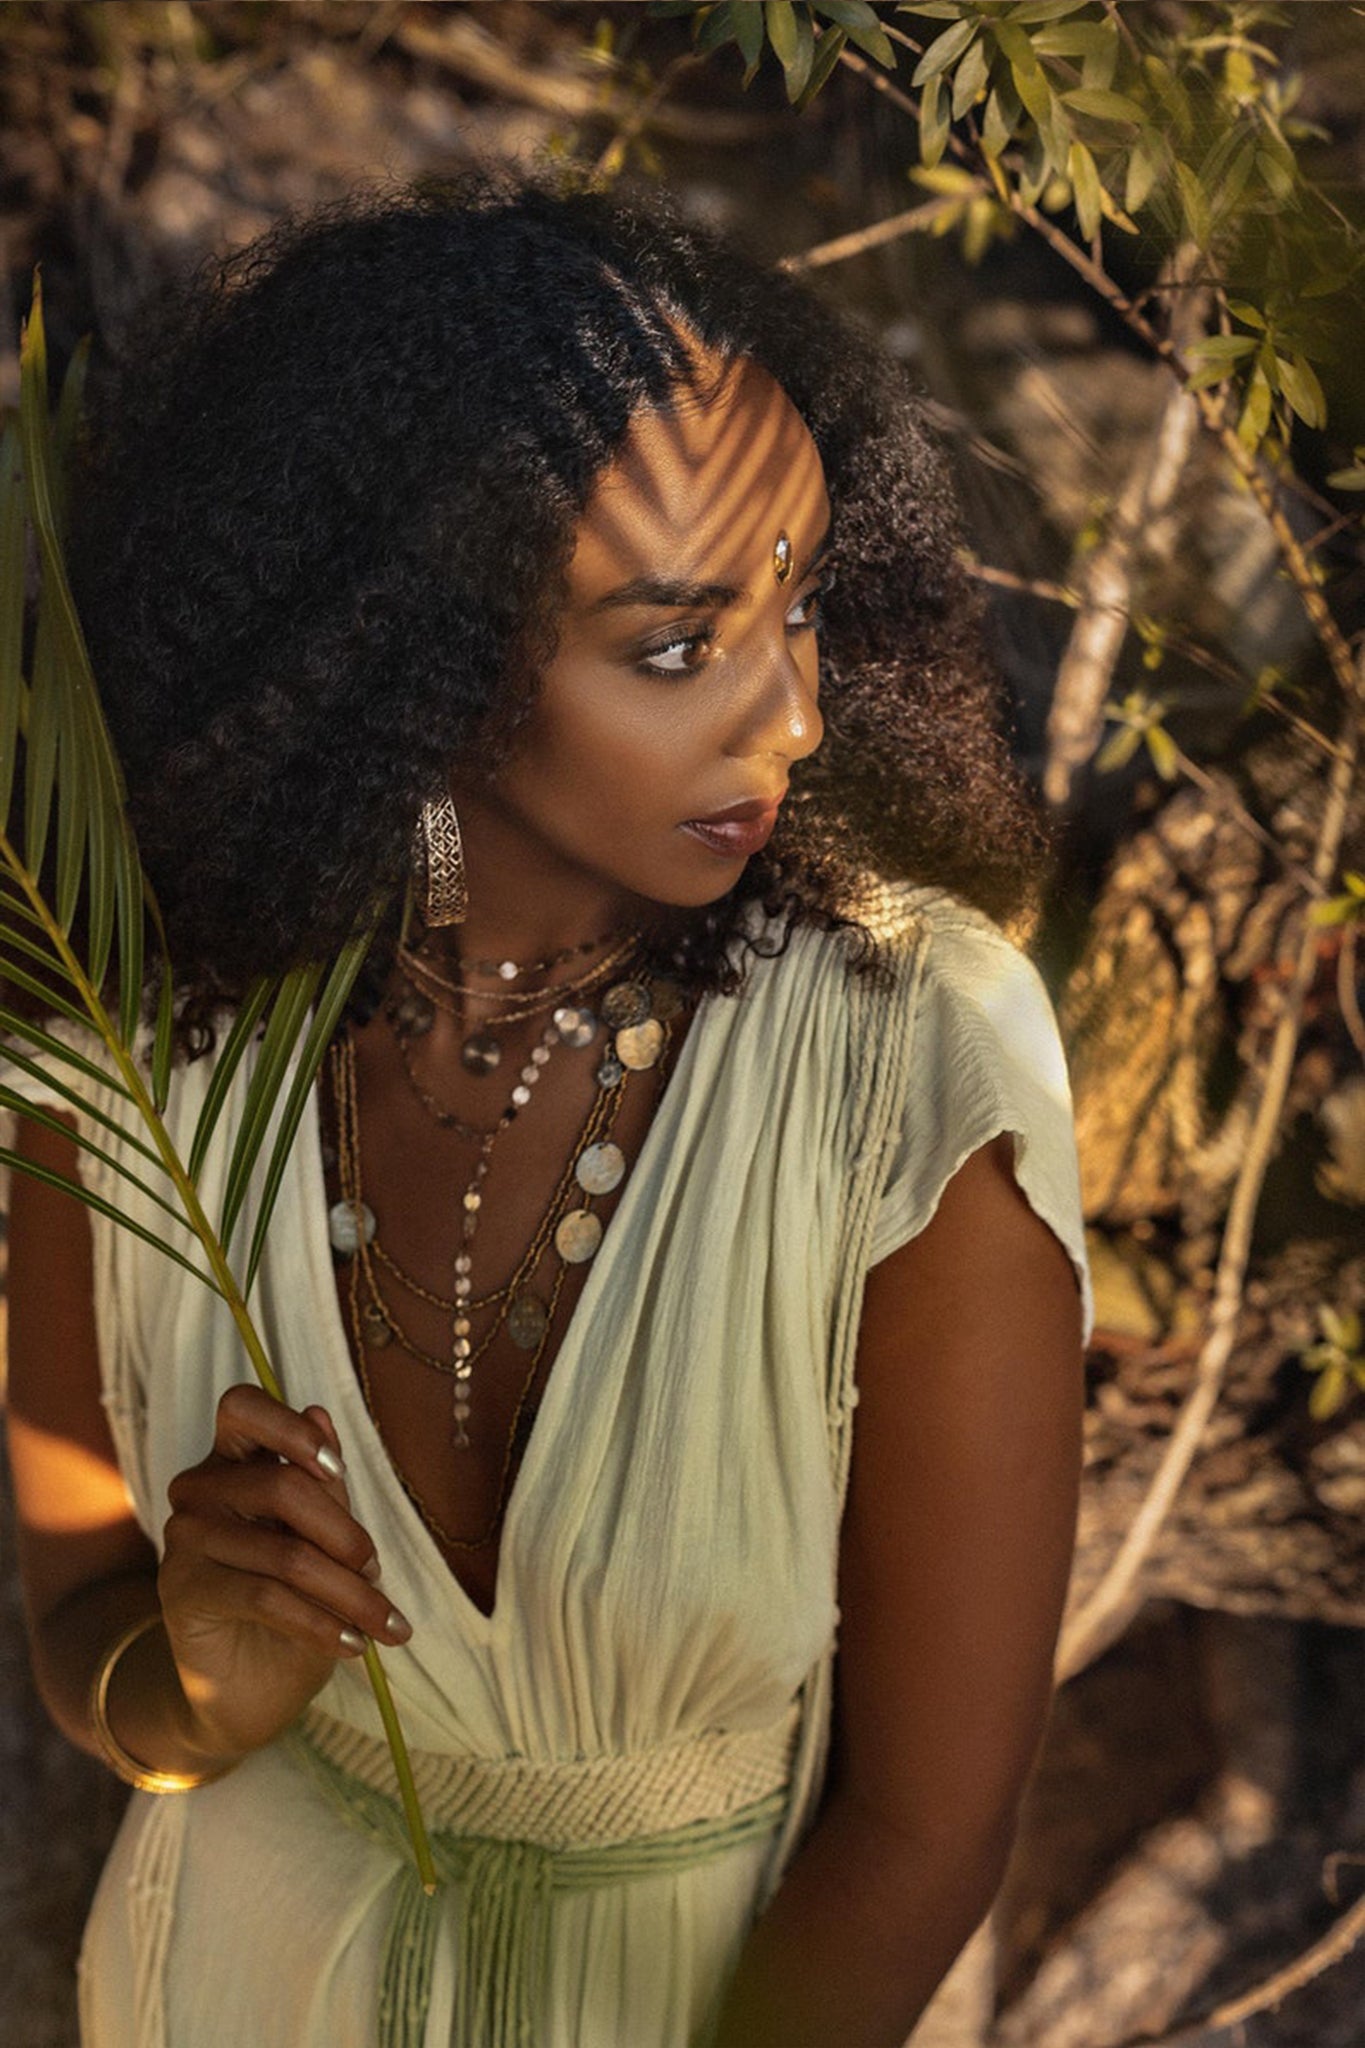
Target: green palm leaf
13, 688
33, 984
326, 1017
72, 674
40, 751
239, 1037
97, 884
57, 1049
53, 1084
10, 1098
20, 1164
288, 1013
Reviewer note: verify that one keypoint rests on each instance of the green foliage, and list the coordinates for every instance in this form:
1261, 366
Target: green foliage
1346, 909
1181, 137
805, 38
1140, 722
1352, 479
1338, 1359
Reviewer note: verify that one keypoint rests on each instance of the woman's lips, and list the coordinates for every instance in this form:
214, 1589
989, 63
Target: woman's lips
744, 831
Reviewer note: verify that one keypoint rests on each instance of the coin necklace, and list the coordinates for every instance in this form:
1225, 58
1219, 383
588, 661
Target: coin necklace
597, 1166
373, 1323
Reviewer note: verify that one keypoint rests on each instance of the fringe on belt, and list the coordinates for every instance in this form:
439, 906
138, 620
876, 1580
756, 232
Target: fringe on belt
510, 1834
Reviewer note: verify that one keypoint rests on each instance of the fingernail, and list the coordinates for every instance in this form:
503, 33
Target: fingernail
330, 1462
353, 1641
398, 1625
371, 1570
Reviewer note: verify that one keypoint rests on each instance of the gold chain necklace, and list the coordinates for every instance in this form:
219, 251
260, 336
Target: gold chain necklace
362, 1316
482, 1049
505, 970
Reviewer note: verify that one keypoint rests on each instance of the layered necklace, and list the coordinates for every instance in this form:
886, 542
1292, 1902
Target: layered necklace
628, 1021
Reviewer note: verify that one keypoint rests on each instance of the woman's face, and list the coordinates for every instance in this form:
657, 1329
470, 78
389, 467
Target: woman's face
685, 680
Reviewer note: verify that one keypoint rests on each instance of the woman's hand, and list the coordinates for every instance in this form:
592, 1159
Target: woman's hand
267, 1578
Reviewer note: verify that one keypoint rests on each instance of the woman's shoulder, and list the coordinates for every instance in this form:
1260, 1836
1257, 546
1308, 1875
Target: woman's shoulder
910, 918
976, 994
928, 946
985, 1057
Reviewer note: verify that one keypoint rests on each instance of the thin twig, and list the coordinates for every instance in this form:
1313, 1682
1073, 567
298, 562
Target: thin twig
1213, 415
462, 46
1115, 13
1346, 988
612, 159
889, 230
1075, 719
879, 82
1176, 643
1333, 1948
1029, 586
1221, 796
1118, 1596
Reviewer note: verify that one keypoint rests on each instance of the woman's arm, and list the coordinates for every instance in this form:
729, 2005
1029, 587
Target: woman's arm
264, 1564
954, 1557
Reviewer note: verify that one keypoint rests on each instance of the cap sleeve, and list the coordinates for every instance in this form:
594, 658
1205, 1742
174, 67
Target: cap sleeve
987, 1057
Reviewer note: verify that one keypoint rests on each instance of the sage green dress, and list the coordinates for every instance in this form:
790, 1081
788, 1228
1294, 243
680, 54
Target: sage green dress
621, 1758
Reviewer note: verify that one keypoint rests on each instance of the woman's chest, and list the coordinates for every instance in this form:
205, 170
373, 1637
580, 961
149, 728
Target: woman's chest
463, 1240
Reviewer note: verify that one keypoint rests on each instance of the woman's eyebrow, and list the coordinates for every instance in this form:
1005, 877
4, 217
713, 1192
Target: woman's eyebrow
656, 590
671, 596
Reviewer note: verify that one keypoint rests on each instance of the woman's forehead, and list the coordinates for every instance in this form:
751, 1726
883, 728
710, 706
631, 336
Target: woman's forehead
699, 486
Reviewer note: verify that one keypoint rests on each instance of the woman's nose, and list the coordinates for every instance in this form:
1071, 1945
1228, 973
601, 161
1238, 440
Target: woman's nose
785, 718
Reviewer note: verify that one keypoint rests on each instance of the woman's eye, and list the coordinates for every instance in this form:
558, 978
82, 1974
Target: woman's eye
805, 613
680, 656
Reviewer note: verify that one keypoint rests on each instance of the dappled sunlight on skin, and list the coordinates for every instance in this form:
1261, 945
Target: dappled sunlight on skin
674, 550
82, 1493
707, 470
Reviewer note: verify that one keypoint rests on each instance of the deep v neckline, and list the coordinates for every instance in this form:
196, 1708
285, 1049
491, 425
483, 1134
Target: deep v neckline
360, 1425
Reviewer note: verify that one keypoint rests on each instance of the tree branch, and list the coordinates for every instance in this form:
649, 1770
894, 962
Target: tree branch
872, 237
1333, 1948
1212, 410
470, 52
1075, 720
1118, 1596
610, 163
1176, 643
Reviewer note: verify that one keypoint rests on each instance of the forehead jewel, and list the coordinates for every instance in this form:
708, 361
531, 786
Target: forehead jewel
782, 558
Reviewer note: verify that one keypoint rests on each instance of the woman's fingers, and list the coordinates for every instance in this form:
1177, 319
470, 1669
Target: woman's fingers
250, 1566
239, 1598
250, 1424
250, 1421
266, 1491
270, 1501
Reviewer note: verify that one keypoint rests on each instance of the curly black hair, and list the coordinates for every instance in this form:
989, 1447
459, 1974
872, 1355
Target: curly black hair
324, 512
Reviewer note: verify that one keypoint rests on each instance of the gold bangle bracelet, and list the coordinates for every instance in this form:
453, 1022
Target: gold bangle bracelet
115, 1755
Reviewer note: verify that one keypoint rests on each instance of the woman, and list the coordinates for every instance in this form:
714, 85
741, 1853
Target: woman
518, 514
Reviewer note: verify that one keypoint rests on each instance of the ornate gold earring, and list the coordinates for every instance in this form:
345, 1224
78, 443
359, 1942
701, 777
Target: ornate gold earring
442, 889
782, 558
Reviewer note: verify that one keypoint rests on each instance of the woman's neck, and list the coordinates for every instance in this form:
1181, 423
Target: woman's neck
526, 902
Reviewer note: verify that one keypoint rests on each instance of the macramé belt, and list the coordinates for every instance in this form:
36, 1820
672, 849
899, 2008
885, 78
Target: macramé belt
510, 1833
